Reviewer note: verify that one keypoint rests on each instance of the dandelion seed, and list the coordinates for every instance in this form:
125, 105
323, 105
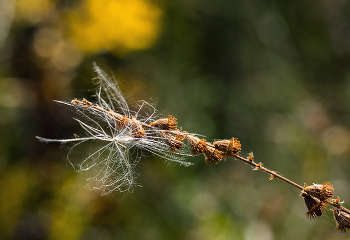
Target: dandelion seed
124, 135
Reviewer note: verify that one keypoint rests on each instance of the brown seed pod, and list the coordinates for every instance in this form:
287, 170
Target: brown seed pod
228, 147
321, 192
169, 123
315, 207
212, 155
137, 130
342, 219
173, 140
197, 145
123, 122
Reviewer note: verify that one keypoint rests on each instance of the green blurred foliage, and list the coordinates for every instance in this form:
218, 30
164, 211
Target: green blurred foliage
275, 74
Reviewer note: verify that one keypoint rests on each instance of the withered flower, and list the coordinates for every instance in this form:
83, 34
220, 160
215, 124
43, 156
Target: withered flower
197, 145
169, 123
322, 192
228, 147
212, 155
173, 140
342, 219
316, 208
137, 130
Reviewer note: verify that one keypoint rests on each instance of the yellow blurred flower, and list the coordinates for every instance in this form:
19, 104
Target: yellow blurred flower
33, 10
119, 26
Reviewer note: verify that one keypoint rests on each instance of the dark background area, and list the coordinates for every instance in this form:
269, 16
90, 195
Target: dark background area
274, 74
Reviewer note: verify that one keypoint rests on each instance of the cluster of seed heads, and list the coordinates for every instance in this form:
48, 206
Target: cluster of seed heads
125, 134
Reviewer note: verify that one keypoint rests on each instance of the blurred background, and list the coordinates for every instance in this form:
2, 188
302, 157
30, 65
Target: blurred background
275, 74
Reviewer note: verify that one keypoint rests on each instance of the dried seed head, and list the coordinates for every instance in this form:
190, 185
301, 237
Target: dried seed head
342, 219
337, 202
137, 130
75, 101
123, 122
228, 147
315, 207
169, 123
197, 145
113, 163
173, 140
321, 192
212, 155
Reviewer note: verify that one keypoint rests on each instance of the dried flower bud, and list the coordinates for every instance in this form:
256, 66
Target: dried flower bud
321, 192
75, 101
316, 208
228, 147
123, 122
169, 123
212, 155
258, 166
198, 145
137, 130
250, 157
173, 140
342, 219
337, 202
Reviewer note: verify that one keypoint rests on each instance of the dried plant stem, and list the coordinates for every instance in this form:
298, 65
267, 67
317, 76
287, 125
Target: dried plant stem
201, 146
122, 132
258, 166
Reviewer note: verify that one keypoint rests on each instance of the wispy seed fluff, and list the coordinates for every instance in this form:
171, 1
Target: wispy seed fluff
124, 134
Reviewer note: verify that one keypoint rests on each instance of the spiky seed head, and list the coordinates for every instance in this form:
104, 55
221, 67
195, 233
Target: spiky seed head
173, 140
316, 208
197, 145
320, 191
228, 147
169, 123
137, 130
122, 122
213, 156
342, 219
